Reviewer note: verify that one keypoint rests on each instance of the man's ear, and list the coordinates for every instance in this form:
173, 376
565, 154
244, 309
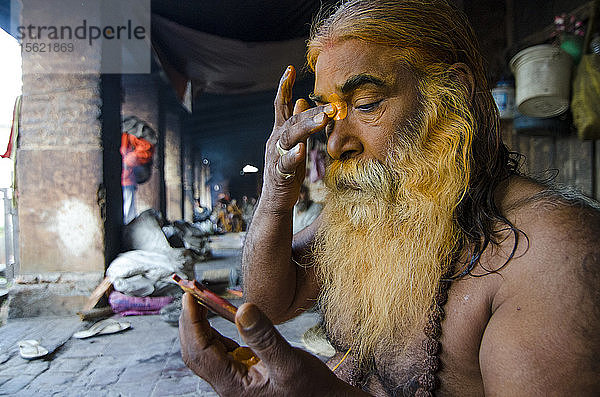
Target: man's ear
463, 74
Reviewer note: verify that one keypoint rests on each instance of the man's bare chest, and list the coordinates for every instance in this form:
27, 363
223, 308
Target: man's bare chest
452, 357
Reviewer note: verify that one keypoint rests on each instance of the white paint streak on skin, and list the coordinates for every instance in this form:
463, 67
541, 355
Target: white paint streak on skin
74, 224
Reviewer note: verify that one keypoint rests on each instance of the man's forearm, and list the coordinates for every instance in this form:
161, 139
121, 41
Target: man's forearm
271, 279
269, 274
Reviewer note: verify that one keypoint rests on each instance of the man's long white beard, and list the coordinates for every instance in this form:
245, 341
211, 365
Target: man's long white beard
386, 239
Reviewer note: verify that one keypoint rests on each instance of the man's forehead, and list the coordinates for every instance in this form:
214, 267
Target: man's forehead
354, 64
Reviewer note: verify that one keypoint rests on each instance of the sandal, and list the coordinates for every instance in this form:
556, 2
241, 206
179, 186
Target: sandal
31, 349
108, 326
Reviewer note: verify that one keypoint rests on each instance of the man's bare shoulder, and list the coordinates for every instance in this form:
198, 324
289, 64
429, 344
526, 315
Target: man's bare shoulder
546, 309
548, 223
557, 228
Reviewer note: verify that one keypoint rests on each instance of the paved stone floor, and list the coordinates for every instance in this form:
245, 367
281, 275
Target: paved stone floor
142, 361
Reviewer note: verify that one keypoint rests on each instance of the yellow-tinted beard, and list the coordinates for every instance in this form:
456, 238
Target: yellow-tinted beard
388, 236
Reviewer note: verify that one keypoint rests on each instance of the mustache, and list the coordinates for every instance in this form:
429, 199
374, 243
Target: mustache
362, 176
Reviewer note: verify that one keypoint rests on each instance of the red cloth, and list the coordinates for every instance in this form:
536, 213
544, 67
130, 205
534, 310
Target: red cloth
135, 152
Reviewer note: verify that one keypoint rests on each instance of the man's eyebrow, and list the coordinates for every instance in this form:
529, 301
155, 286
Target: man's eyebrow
351, 84
355, 82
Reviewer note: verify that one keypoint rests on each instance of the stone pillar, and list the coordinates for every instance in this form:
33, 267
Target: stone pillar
59, 173
60, 190
188, 180
67, 177
197, 161
172, 161
204, 192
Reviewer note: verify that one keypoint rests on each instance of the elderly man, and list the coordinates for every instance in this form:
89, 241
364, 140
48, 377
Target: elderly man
438, 267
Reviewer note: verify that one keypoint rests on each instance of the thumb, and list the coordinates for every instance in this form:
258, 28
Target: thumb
261, 336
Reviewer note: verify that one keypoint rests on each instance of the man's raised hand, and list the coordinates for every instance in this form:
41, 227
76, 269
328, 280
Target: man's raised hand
285, 155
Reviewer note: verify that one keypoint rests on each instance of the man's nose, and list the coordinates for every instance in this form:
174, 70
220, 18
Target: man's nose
342, 144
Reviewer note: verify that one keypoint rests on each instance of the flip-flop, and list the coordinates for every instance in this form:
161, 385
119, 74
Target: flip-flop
31, 349
108, 326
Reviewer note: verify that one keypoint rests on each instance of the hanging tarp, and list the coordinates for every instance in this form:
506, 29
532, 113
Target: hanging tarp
221, 65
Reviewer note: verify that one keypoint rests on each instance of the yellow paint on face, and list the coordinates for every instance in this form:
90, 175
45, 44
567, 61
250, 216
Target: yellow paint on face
340, 107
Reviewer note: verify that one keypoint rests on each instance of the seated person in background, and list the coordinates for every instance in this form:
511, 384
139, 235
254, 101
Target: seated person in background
305, 210
438, 266
235, 215
223, 219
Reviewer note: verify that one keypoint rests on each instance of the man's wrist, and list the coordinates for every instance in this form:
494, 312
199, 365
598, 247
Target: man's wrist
272, 211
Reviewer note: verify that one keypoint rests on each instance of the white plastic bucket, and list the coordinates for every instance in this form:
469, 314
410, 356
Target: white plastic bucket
543, 80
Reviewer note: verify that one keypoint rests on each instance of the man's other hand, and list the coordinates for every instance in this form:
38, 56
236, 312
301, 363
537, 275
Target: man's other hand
282, 370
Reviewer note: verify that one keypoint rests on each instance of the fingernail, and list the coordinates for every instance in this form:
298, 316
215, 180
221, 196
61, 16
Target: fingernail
329, 109
318, 118
249, 317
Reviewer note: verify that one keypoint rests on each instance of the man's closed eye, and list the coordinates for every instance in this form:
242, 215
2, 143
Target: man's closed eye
369, 107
